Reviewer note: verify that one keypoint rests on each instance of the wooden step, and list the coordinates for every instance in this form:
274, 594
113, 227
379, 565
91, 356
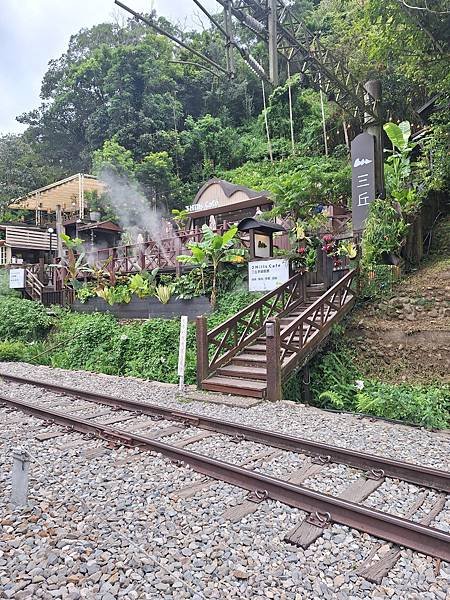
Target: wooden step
246, 358
260, 347
238, 387
243, 372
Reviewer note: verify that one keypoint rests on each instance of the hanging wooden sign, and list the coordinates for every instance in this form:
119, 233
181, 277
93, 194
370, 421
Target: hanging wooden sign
363, 178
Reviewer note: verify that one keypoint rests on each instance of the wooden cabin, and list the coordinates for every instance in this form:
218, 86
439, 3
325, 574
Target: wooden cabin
24, 244
226, 202
98, 234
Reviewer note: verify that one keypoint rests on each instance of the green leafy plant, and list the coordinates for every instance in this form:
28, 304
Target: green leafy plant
214, 249
347, 249
85, 292
384, 233
398, 166
119, 294
163, 293
13, 351
74, 263
23, 320
423, 405
181, 217
140, 286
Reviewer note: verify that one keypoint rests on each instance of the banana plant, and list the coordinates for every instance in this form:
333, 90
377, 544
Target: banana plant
213, 250
74, 263
398, 165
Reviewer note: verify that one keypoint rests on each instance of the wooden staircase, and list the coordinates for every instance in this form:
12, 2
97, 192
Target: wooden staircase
46, 295
252, 353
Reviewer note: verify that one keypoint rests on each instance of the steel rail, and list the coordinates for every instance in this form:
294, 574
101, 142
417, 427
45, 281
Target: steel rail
410, 534
417, 474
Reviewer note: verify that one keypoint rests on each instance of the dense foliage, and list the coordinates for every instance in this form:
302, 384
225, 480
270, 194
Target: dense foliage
337, 383
118, 96
23, 319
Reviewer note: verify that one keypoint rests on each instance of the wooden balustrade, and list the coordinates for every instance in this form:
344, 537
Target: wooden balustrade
153, 254
218, 346
287, 348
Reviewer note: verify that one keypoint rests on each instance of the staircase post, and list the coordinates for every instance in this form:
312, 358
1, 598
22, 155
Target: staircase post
328, 262
273, 360
202, 350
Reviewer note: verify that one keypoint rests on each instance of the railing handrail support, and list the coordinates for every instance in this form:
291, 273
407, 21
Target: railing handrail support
288, 328
202, 349
273, 362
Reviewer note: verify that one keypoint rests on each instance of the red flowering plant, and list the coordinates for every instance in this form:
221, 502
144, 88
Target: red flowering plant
304, 258
329, 244
330, 247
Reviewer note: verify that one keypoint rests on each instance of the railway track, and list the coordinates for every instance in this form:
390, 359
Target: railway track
121, 423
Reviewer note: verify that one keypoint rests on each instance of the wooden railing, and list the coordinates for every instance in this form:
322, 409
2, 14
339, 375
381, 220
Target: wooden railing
287, 348
63, 297
218, 346
161, 254
33, 285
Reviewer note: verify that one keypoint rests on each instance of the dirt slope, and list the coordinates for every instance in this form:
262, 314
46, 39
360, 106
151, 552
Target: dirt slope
406, 337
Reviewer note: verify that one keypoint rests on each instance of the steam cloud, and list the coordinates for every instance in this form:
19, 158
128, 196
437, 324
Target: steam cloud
132, 208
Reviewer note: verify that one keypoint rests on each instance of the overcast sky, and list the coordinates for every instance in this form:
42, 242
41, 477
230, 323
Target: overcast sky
32, 32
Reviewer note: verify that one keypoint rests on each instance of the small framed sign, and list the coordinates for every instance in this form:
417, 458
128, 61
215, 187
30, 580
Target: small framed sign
17, 278
266, 275
263, 245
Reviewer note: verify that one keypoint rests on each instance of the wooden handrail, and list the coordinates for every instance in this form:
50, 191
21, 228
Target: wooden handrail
257, 303
248, 324
311, 309
304, 334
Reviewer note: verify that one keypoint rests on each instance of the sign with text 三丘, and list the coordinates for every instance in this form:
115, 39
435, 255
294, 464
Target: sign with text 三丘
363, 178
17, 278
266, 275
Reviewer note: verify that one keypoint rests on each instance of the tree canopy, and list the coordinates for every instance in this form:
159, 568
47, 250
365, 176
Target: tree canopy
123, 96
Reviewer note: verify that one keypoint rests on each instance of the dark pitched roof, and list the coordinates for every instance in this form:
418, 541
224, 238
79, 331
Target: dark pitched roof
265, 226
109, 225
229, 189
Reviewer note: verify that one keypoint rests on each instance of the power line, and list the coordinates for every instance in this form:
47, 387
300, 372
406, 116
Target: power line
171, 37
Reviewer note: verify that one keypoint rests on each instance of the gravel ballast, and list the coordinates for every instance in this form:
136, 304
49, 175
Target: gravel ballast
107, 523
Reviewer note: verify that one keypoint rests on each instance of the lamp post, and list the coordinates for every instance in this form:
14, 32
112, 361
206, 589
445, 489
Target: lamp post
51, 231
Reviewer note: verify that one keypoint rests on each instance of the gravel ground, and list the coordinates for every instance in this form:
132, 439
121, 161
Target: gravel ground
106, 523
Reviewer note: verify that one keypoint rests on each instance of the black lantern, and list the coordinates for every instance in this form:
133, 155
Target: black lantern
261, 236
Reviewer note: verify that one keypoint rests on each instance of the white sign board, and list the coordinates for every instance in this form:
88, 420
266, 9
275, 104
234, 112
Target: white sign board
182, 351
17, 278
266, 275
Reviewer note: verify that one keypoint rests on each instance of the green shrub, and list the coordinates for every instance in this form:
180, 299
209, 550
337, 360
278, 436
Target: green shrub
23, 320
23, 351
427, 405
150, 350
12, 351
336, 383
5, 290
86, 342
229, 304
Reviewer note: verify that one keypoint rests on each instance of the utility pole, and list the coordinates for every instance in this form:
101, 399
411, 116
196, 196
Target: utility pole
273, 33
229, 38
373, 124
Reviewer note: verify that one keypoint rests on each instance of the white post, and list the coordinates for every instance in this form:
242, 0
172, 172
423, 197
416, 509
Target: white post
182, 352
269, 144
19, 478
322, 108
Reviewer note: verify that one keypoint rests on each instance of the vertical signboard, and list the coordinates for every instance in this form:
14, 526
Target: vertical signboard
363, 178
